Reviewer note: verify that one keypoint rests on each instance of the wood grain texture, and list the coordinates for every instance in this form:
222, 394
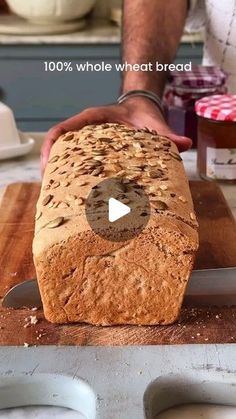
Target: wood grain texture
196, 325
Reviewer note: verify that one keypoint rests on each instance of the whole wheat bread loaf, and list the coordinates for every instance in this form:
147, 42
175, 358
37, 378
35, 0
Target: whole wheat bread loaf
86, 278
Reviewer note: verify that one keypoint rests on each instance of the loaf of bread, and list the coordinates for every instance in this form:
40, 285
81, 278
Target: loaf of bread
85, 278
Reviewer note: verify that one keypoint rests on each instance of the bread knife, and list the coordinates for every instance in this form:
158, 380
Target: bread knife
206, 287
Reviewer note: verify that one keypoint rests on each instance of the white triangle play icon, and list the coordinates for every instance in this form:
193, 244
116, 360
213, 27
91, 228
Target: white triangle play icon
117, 210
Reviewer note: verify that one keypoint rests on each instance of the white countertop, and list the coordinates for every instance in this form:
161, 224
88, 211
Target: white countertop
26, 169
97, 31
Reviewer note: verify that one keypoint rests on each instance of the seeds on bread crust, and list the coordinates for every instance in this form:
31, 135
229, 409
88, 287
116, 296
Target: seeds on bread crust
68, 137
55, 185
46, 200
81, 183
63, 205
38, 215
153, 174
55, 223
175, 156
54, 170
79, 201
159, 205
53, 159
65, 183
113, 150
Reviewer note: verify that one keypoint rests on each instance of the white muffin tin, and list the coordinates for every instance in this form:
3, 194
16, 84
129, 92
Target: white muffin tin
118, 383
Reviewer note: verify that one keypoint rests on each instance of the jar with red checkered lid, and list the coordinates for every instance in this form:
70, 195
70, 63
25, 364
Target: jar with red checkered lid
217, 137
182, 92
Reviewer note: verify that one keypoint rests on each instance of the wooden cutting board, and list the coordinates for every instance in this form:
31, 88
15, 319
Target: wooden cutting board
196, 325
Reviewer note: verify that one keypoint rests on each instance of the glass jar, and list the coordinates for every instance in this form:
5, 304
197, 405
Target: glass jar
184, 89
216, 157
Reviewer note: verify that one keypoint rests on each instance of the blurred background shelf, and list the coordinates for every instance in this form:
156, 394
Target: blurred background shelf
40, 99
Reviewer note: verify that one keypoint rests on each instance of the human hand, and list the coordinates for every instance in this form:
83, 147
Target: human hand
135, 112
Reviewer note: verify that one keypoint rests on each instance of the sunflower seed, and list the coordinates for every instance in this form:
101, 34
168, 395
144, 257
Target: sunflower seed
152, 189
99, 152
153, 174
159, 205
139, 135
133, 176
105, 139
192, 216
99, 158
79, 201
78, 163
71, 176
53, 159
152, 163
64, 156
47, 199
55, 223
55, 185
182, 199
65, 183
82, 172
69, 137
164, 187
63, 205
139, 155
117, 147
121, 173
71, 197
137, 145
175, 156
97, 171
53, 170
38, 215
81, 183
75, 149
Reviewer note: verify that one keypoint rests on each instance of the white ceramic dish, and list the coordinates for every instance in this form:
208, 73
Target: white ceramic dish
51, 11
18, 149
175, 390
15, 25
48, 390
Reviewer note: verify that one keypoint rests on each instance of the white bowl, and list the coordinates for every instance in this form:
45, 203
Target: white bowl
51, 11
8, 133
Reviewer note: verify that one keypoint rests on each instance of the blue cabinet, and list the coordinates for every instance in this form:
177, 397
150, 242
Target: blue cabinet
41, 99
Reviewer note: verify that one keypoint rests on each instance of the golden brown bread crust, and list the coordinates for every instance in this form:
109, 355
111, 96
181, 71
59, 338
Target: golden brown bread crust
85, 278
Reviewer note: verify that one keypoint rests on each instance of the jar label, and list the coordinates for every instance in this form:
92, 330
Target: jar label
221, 163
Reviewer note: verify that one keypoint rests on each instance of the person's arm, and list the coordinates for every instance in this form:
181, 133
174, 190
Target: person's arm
151, 32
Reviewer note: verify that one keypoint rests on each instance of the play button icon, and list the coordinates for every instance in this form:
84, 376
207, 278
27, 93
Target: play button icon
117, 209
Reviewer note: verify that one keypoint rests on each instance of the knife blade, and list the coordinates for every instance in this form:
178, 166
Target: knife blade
206, 287
211, 287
